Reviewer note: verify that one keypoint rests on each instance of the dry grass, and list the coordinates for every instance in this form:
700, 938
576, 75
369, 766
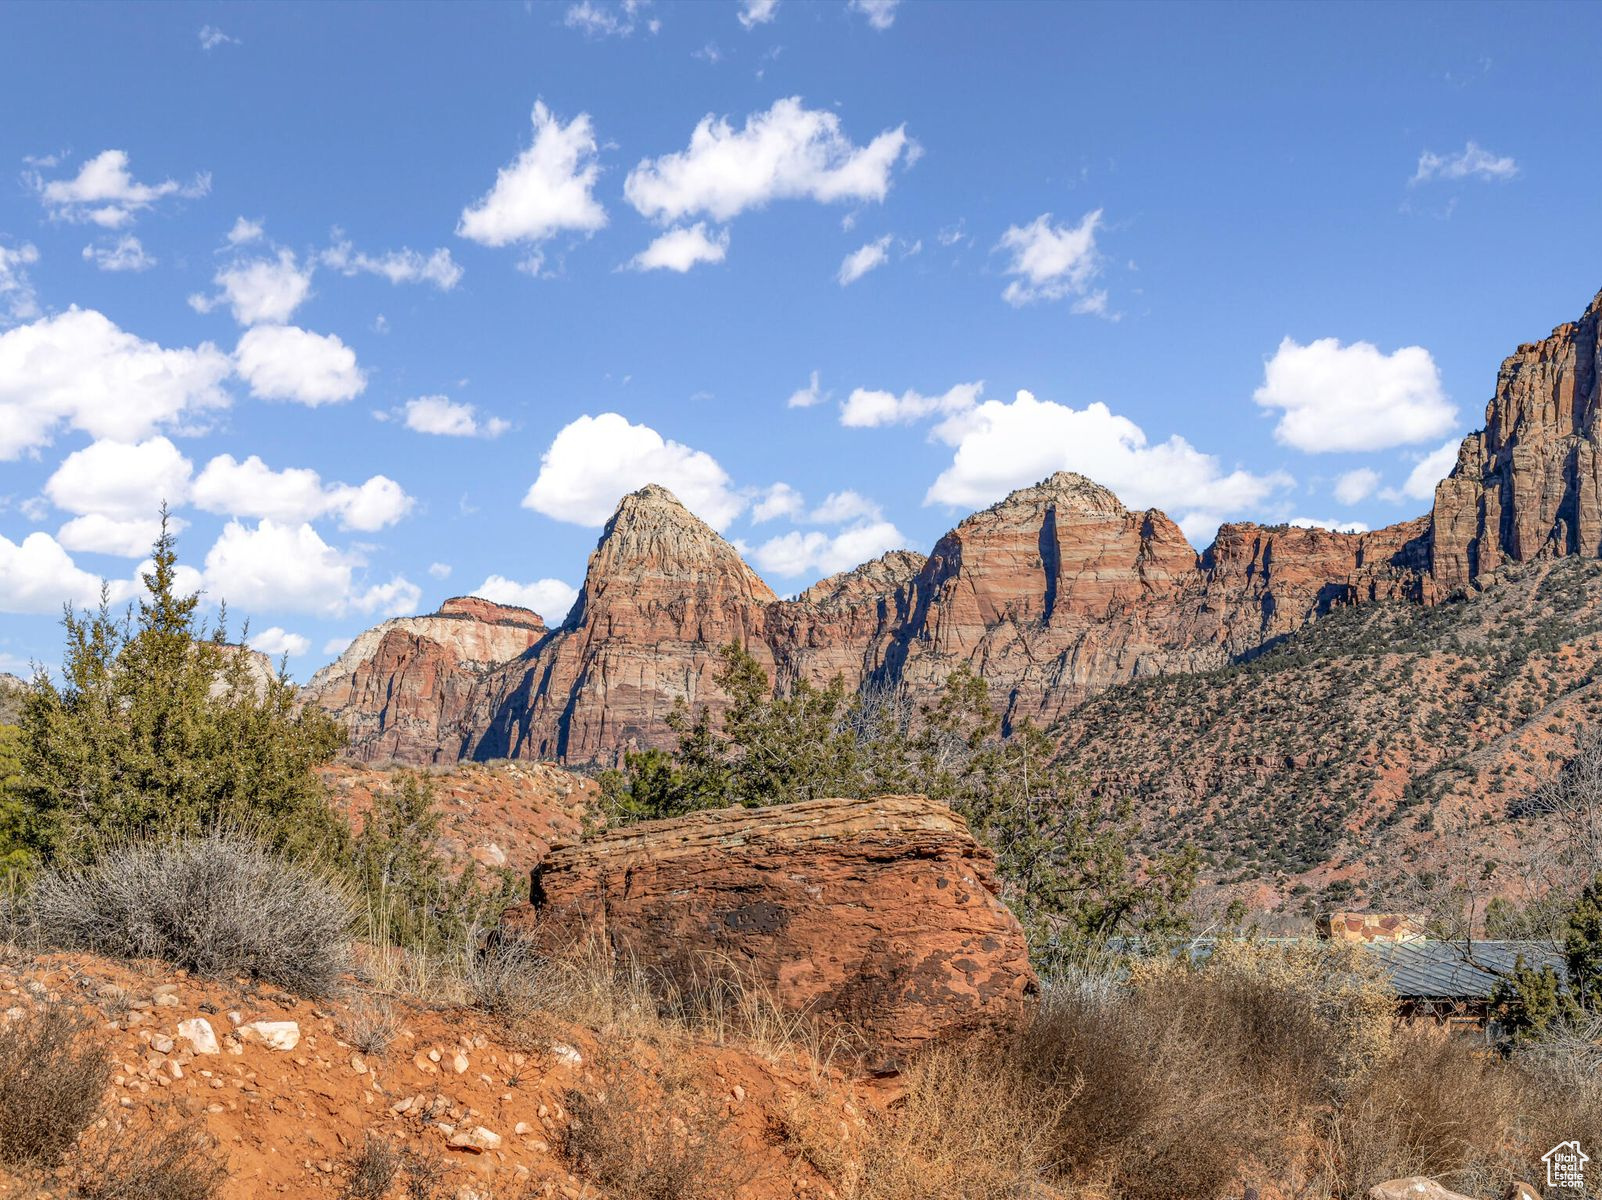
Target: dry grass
962, 1129
370, 1023
643, 1138
52, 1078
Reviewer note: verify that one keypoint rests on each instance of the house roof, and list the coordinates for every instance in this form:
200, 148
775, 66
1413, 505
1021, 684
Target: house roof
1431, 970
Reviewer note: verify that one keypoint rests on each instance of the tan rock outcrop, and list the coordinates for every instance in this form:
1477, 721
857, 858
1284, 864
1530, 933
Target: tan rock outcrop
879, 914
1530, 482
404, 689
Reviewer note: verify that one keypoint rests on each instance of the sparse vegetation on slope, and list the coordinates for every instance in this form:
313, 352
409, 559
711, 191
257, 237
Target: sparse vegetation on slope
1356, 734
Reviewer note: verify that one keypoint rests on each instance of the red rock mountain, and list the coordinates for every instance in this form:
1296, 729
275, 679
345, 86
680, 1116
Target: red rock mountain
1054, 594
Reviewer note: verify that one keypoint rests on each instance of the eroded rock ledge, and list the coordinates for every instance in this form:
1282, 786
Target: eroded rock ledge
879, 914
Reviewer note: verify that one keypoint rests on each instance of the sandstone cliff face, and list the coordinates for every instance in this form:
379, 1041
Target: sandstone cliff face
1053, 595
879, 914
1530, 482
404, 689
663, 591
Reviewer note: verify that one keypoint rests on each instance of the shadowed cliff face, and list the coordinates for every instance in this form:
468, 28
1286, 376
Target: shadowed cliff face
1529, 484
1054, 594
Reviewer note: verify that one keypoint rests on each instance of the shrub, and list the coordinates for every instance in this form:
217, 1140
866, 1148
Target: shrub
370, 1025
218, 905
372, 1169
643, 1139
162, 1162
416, 898
52, 1078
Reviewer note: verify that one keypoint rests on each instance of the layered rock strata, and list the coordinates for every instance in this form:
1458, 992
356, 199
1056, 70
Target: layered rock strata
1054, 594
879, 915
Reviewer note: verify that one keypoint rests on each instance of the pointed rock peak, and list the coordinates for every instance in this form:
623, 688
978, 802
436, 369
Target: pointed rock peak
873, 578
653, 534
651, 495
1068, 491
645, 515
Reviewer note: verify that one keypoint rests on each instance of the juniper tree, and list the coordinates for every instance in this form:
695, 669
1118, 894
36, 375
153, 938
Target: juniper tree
1063, 855
159, 726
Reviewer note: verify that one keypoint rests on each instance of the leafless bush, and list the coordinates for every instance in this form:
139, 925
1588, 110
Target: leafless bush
370, 1024
644, 1139
422, 1174
166, 1161
52, 1077
372, 1169
219, 905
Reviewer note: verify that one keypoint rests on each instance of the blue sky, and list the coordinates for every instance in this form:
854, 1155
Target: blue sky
392, 302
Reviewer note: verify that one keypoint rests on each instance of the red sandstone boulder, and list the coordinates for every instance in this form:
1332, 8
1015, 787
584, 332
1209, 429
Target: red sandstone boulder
878, 914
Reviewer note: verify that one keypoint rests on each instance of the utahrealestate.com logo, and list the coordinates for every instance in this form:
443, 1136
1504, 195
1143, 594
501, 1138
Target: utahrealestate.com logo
1565, 1166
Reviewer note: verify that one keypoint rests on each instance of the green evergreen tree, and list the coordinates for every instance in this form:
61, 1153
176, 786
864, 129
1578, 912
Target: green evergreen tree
1063, 858
413, 898
13, 813
159, 726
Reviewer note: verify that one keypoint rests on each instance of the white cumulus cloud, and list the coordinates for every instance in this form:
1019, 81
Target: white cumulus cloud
39, 576
839, 507
780, 500
548, 189
121, 480
863, 259
283, 362
451, 418
398, 266
757, 12
128, 538
125, 254
18, 300
816, 553
244, 232
787, 152
867, 408
289, 568
595, 18
682, 248
1426, 473
1051, 262
550, 598
105, 193
808, 396
594, 461
1001, 446
1335, 398
297, 494
261, 290
1472, 162
881, 14
77, 369
1358, 485
276, 641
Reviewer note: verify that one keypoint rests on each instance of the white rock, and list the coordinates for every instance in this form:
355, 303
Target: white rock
477, 1139
198, 1033
277, 1035
566, 1054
